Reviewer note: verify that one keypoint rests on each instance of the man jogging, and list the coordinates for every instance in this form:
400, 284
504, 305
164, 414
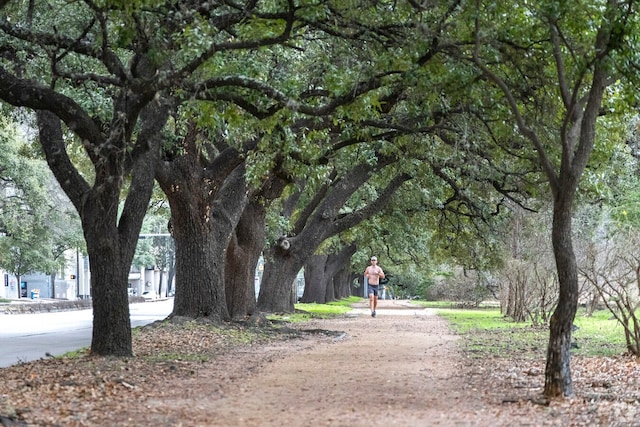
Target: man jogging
373, 273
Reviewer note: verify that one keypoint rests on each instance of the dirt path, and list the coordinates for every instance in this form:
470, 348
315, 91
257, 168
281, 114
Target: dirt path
400, 368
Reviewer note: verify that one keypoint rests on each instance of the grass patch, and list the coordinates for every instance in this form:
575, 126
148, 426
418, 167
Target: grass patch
331, 309
433, 304
346, 302
307, 311
599, 334
485, 333
456, 305
75, 354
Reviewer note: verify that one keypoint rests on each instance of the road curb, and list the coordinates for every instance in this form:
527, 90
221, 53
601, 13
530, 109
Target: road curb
50, 306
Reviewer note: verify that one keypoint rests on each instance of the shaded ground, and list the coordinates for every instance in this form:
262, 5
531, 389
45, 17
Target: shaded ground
402, 368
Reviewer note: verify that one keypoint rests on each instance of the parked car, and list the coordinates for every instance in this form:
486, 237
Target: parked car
149, 295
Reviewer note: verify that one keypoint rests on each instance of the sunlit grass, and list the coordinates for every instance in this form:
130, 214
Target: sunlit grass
307, 311
486, 332
450, 304
331, 309
346, 302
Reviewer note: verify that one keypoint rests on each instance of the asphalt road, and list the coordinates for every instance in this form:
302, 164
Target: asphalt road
27, 337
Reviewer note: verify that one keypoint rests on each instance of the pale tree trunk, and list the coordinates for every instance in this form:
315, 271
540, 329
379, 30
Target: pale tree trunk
520, 274
514, 272
592, 304
18, 277
171, 274
160, 284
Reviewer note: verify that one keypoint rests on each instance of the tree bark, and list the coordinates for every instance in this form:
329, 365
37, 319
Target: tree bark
281, 268
324, 276
315, 280
247, 243
111, 236
202, 223
330, 290
356, 284
111, 319
242, 256
341, 282
338, 265
204, 182
558, 368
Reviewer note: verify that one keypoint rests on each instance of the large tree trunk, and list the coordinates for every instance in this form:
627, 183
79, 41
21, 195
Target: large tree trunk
281, 268
246, 245
111, 319
111, 250
202, 228
315, 280
342, 282
242, 256
199, 258
111, 236
338, 266
207, 194
330, 291
558, 370
322, 276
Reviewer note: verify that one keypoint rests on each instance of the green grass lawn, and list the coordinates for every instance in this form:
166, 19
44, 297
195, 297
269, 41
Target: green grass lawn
599, 335
305, 312
486, 332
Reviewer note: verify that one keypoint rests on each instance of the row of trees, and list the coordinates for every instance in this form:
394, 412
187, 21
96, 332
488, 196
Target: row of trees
328, 113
